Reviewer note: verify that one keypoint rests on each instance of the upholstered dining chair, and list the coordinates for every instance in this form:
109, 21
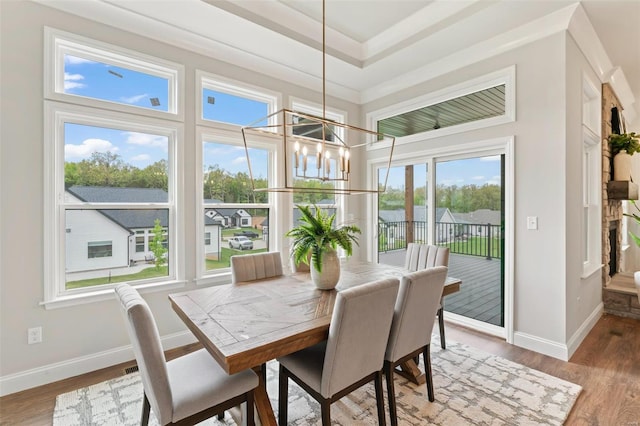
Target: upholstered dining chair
353, 354
421, 256
188, 389
257, 266
417, 303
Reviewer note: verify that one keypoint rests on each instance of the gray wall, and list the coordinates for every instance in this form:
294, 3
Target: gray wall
547, 178
92, 329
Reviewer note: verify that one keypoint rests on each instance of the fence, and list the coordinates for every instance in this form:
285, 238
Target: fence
474, 239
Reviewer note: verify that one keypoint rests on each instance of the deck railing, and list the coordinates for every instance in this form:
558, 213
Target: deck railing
474, 239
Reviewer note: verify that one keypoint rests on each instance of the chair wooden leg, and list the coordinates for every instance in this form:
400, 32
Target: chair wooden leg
251, 421
221, 416
283, 396
325, 409
426, 356
391, 395
380, 399
443, 343
146, 409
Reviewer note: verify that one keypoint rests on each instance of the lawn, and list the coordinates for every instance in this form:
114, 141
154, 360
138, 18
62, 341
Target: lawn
150, 272
225, 254
476, 246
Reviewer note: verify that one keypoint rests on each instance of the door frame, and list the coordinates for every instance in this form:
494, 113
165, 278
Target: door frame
497, 146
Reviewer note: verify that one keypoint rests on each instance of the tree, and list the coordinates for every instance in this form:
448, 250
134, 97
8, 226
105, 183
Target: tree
157, 244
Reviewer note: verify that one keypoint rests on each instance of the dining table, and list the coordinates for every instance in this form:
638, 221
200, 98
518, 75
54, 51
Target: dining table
244, 325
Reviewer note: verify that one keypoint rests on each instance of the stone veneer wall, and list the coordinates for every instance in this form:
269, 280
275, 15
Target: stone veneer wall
615, 302
611, 209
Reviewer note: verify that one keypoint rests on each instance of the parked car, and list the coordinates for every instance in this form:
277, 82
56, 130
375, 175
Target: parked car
248, 234
241, 242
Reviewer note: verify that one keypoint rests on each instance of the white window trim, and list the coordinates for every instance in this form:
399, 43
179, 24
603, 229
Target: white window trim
506, 76
206, 80
232, 137
591, 178
57, 43
56, 114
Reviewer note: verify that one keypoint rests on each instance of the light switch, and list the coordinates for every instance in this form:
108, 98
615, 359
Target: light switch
532, 222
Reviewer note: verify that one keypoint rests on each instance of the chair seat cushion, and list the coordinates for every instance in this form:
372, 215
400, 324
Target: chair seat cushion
198, 382
307, 364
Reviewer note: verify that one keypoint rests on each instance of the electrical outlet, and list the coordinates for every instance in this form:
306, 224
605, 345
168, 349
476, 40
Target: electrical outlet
34, 335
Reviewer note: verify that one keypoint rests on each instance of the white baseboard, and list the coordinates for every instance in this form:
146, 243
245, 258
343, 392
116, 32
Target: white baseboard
584, 329
73, 367
555, 349
540, 345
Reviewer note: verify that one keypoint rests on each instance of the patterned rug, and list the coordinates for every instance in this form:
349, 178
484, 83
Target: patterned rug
471, 388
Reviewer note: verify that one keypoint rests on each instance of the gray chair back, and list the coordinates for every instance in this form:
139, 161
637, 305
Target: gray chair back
147, 348
415, 311
358, 334
421, 256
258, 266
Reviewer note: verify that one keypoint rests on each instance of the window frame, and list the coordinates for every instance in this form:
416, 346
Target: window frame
58, 43
222, 135
506, 76
56, 114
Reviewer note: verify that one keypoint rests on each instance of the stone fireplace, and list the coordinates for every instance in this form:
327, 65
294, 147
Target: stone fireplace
618, 289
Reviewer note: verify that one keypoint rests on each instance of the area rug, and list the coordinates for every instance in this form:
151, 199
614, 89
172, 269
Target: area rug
471, 388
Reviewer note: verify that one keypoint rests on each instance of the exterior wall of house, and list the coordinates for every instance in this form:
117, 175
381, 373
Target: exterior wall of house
86, 226
214, 234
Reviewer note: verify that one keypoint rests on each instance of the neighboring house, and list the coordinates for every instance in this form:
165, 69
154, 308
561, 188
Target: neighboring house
391, 223
479, 221
99, 239
229, 218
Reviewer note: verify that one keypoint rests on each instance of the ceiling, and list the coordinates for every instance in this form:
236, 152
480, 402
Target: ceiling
374, 47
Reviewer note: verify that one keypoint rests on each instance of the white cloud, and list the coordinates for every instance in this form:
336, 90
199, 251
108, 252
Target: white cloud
140, 158
478, 177
491, 158
88, 147
239, 160
144, 139
74, 60
73, 81
134, 99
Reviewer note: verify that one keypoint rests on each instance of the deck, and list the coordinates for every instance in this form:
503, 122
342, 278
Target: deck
480, 293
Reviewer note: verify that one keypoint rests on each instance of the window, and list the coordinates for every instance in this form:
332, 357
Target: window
485, 101
591, 179
99, 249
225, 101
87, 72
230, 206
111, 159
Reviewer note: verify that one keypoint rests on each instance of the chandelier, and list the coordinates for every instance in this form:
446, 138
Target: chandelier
316, 148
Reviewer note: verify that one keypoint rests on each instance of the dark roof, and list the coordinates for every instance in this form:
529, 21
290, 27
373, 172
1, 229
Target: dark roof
128, 219
419, 214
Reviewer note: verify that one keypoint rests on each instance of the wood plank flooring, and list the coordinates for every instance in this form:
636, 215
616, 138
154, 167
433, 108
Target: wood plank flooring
607, 366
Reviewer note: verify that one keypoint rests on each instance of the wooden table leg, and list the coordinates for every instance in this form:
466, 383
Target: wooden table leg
411, 372
263, 404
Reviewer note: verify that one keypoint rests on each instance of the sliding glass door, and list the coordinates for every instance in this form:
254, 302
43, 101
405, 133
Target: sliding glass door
468, 214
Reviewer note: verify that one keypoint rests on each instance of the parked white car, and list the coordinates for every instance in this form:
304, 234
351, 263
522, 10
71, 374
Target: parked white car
242, 243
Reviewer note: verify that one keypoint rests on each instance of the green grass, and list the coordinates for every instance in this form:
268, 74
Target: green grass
225, 255
476, 246
150, 272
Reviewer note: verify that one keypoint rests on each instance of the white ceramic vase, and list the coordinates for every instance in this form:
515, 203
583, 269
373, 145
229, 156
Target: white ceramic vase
636, 279
330, 275
622, 166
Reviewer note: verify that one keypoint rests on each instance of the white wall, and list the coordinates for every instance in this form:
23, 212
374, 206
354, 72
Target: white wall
540, 181
84, 337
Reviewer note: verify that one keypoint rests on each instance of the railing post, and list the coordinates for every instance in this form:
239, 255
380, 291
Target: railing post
488, 241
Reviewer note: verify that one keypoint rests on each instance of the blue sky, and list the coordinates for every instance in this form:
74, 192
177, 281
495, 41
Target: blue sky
107, 82
478, 171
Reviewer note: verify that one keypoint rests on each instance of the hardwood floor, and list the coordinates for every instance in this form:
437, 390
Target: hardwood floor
607, 366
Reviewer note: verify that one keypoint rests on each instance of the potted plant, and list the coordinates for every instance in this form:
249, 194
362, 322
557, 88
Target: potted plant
315, 241
622, 148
